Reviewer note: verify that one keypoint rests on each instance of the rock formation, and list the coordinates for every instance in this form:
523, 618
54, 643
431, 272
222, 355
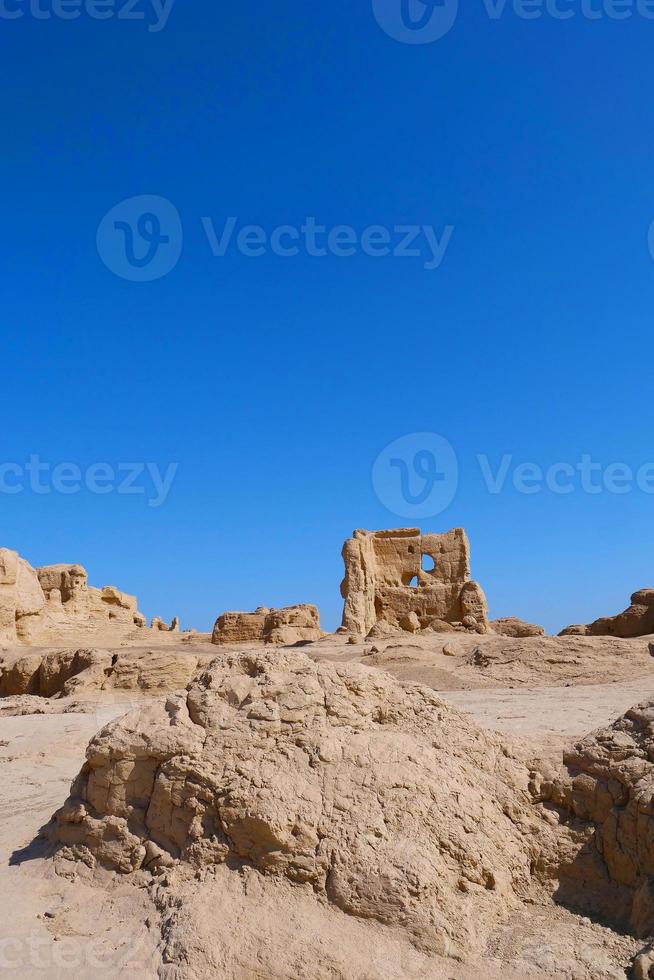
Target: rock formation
386, 801
280, 626
160, 626
388, 583
36, 602
240, 627
608, 787
516, 628
70, 597
293, 624
66, 673
637, 620
22, 601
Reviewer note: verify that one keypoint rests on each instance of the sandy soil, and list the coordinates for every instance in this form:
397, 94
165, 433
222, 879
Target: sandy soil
50, 925
460, 661
543, 690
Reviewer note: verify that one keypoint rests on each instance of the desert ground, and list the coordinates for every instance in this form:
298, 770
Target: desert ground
539, 692
425, 793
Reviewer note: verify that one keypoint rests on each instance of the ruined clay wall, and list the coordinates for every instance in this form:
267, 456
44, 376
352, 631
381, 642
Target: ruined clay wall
38, 603
278, 626
389, 579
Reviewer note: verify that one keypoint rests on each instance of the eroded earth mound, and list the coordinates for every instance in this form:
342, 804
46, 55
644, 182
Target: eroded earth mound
56, 602
637, 620
607, 786
386, 802
514, 627
293, 624
67, 673
293, 816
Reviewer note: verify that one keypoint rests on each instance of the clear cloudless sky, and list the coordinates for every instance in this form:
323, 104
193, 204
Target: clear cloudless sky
275, 382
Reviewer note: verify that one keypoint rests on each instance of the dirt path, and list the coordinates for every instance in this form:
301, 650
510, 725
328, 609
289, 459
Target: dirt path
50, 926
558, 711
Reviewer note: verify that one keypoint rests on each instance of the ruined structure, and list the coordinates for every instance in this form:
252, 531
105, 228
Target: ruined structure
22, 601
280, 626
515, 628
411, 581
35, 603
161, 626
637, 620
70, 597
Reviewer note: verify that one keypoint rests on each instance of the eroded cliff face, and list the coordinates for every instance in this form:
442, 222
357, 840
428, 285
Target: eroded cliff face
402, 579
94, 672
38, 603
637, 620
22, 601
605, 795
292, 624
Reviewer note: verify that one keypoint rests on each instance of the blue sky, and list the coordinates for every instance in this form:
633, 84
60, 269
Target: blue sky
274, 382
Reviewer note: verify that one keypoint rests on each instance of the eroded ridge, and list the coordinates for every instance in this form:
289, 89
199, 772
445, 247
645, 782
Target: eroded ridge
388, 802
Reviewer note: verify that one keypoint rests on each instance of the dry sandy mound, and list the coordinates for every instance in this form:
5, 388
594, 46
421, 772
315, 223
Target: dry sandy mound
637, 620
27, 704
464, 662
607, 793
64, 673
383, 800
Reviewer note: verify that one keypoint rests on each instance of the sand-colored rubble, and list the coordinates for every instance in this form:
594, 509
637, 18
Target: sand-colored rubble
637, 620
293, 624
56, 604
